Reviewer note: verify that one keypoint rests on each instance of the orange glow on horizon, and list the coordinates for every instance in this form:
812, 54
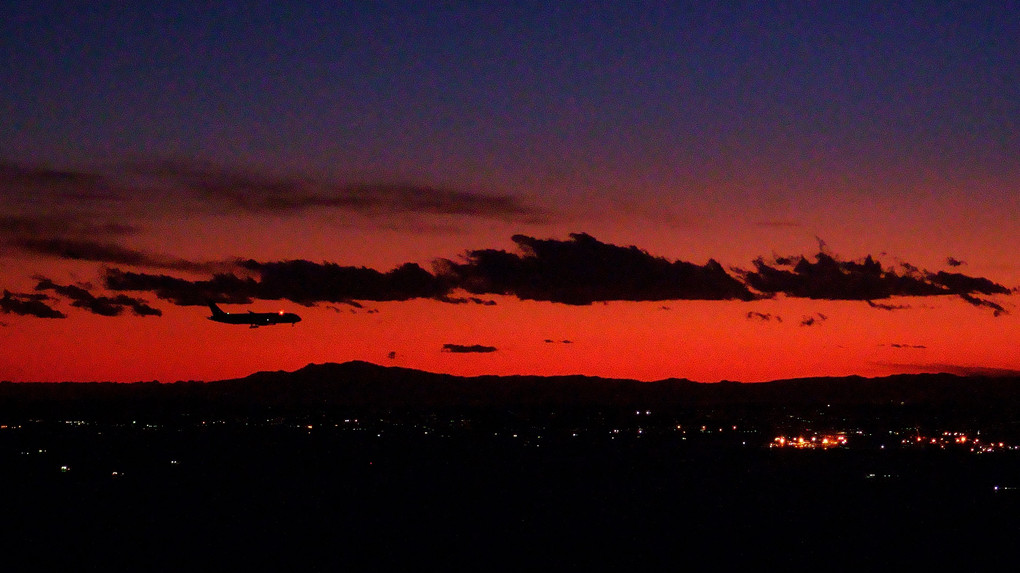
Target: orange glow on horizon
701, 340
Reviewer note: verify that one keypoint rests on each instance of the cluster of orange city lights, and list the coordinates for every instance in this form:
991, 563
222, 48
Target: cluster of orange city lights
817, 441
957, 440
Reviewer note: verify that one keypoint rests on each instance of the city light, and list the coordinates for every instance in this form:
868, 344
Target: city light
812, 441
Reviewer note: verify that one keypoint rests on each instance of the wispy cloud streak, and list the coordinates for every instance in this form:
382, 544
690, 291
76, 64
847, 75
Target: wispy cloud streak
468, 349
102, 305
108, 252
260, 193
23, 304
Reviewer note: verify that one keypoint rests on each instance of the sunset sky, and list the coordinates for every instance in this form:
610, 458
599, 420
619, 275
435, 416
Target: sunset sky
741, 191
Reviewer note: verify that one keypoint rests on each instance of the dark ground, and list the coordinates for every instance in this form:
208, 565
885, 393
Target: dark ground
286, 498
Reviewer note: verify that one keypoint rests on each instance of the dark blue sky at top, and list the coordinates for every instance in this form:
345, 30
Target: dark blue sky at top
514, 93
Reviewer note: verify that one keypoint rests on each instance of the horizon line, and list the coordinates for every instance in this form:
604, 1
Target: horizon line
934, 370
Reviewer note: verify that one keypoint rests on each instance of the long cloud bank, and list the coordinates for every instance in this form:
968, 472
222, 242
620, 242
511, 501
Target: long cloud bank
578, 271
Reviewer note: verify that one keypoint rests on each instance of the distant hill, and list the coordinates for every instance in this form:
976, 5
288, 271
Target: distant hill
362, 383
364, 386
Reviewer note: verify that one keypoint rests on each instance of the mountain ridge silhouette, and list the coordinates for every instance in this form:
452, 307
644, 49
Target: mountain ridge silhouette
365, 385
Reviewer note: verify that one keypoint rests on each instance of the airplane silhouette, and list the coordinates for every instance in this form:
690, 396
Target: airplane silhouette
253, 319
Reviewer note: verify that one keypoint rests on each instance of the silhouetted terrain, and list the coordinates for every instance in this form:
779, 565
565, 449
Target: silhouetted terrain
368, 387
360, 467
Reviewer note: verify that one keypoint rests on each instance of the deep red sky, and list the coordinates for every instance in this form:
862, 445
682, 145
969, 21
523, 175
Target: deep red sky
175, 141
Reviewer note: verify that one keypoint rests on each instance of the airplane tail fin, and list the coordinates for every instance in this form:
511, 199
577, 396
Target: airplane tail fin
215, 309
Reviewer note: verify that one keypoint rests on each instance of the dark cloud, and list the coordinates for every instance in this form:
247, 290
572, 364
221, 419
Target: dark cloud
764, 317
355, 308
299, 281
222, 288
912, 346
27, 227
551, 341
28, 305
578, 271
583, 270
427, 199
107, 252
953, 262
462, 349
883, 306
467, 300
831, 279
956, 283
305, 282
814, 319
352, 303
69, 238
910, 269
55, 212
259, 193
51, 185
102, 305
997, 309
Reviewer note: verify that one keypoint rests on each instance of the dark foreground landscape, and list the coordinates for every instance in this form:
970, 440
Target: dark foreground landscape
359, 467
